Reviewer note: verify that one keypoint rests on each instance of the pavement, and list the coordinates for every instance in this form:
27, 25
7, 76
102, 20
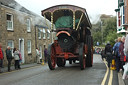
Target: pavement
5, 69
121, 81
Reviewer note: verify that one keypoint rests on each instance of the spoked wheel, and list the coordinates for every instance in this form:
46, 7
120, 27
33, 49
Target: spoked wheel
61, 62
82, 58
51, 57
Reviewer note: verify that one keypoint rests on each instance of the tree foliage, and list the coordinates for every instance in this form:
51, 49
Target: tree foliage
105, 30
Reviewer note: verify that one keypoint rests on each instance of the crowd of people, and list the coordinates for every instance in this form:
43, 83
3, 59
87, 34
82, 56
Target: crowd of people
16, 55
119, 52
38, 55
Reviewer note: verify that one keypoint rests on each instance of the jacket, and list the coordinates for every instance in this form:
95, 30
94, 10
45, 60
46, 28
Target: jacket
116, 48
16, 55
1, 54
108, 48
8, 54
121, 51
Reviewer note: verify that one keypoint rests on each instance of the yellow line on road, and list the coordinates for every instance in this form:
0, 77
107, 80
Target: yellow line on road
110, 78
106, 74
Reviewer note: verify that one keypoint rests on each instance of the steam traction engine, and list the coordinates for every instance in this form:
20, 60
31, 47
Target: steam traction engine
74, 40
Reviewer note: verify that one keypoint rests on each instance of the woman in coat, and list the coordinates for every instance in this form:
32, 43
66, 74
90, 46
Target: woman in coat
16, 58
121, 52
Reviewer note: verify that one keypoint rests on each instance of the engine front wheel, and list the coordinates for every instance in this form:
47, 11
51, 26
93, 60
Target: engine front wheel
51, 57
61, 62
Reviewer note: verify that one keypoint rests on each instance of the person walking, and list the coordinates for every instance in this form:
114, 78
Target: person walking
38, 56
117, 54
16, 58
9, 57
108, 52
126, 47
20, 60
45, 54
1, 58
121, 52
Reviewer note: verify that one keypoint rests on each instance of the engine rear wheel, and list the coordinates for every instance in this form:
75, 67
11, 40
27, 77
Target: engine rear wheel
82, 58
89, 59
51, 57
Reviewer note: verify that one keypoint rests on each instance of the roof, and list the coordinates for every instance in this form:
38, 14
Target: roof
14, 5
57, 10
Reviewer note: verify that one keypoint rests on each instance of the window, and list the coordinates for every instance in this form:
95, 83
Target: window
39, 33
48, 34
11, 44
29, 46
28, 25
9, 21
123, 15
44, 34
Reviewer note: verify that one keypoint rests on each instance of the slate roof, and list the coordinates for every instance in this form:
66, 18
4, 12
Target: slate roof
14, 5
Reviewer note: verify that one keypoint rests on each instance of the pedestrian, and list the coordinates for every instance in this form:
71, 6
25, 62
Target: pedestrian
45, 54
38, 56
9, 57
1, 58
126, 47
117, 54
16, 58
20, 61
121, 52
103, 54
108, 52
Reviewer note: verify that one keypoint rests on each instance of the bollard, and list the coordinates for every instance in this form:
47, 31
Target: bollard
113, 65
42, 62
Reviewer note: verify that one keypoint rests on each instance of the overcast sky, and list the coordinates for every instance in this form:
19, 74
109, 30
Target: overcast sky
93, 7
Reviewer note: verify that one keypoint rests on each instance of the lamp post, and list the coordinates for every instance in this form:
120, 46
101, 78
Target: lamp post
101, 31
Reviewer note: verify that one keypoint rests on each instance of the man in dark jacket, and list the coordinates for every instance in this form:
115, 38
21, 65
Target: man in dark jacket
108, 52
9, 57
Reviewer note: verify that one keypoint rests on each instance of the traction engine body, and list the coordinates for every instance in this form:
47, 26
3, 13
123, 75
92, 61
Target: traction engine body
74, 41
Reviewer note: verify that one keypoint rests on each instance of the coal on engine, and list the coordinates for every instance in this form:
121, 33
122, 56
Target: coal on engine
74, 40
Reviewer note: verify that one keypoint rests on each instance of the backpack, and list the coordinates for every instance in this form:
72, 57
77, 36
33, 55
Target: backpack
1, 54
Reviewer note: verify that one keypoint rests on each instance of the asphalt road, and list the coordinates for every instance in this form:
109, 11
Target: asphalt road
68, 75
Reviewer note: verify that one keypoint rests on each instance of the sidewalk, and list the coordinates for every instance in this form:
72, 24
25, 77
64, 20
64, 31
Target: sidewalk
5, 69
121, 81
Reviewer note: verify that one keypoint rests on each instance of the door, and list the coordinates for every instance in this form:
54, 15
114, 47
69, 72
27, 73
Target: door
21, 48
40, 52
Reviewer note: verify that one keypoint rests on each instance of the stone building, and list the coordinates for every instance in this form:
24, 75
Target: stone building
22, 29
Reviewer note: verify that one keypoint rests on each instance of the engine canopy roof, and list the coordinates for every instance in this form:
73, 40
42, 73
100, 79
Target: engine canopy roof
67, 10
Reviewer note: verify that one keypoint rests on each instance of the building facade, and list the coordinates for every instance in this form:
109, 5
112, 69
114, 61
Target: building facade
122, 16
22, 29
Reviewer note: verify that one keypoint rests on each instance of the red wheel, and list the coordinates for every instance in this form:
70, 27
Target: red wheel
51, 57
82, 57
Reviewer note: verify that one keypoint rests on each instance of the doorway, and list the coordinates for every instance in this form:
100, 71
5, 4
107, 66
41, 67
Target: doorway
21, 48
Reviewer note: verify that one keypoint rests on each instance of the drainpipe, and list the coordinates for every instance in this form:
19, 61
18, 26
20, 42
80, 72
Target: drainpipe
35, 38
